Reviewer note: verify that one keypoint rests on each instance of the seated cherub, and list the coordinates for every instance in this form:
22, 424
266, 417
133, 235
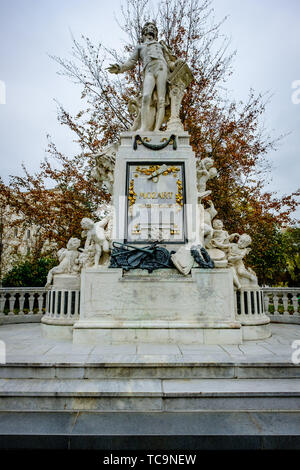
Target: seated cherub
68, 260
87, 257
237, 251
220, 238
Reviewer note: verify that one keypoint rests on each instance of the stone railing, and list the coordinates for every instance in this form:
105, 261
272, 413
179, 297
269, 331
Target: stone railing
62, 306
29, 304
282, 304
22, 304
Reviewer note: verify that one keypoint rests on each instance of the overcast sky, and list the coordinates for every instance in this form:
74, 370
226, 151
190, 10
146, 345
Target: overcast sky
264, 32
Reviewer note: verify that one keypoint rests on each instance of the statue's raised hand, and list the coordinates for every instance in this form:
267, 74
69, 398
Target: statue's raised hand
113, 68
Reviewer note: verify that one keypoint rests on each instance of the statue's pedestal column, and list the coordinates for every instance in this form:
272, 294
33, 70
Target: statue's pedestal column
155, 198
151, 205
161, 307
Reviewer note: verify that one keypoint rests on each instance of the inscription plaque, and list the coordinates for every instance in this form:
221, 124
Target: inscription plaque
155, 202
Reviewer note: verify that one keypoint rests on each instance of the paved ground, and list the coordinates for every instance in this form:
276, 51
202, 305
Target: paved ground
148, 396
25, 344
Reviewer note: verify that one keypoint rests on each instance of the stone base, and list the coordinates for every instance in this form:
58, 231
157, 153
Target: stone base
161, 307
98, 335
62, 307
57, 331
255, 332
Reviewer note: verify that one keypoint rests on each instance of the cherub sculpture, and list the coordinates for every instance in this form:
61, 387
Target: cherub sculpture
219, 244
87, 257
103, 171
220, 238
206, 215
68, 260
97, 236
237, 251
205, 172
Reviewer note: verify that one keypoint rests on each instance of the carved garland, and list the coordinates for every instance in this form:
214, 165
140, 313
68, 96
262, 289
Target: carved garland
131, 193
138, 139
179, 195
152, 169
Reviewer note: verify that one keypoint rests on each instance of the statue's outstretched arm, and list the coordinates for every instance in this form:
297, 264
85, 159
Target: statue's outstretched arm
128, 65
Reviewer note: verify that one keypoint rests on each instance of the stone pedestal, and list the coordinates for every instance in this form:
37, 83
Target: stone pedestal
250, 312
182, 156
162, 307
62, 306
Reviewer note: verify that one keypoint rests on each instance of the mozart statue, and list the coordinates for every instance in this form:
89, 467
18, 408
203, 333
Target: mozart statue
158, 64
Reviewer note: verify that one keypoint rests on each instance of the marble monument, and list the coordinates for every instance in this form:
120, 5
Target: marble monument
157, 266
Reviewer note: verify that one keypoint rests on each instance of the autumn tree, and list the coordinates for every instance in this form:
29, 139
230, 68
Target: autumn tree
229, 131
291, 249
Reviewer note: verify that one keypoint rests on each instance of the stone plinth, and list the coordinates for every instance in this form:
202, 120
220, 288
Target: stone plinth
62, 307
251, 314
162, 307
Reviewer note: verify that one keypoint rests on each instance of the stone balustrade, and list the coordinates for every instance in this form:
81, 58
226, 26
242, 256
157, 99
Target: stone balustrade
249, 302
282, 304
249, 308
62, 306
22, 304
29, 304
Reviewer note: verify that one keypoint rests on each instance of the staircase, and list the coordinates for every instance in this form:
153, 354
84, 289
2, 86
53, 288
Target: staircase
145, 405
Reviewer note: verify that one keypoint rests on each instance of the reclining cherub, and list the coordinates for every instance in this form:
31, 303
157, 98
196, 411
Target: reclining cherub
68, 260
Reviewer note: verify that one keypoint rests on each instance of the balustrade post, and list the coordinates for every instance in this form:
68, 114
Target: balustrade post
21, 304
295, 303
76, 309
275, 303
2, 302
69, 304
285, 301
11, 302
256, 307
40, 302
31, 302
266, 303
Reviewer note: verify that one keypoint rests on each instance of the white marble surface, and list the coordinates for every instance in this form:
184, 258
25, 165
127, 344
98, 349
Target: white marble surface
25, 344
158, 299
127, 154
161, 307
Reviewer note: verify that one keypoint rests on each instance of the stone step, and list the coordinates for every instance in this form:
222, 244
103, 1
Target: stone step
175, 369
146, 431
149, 394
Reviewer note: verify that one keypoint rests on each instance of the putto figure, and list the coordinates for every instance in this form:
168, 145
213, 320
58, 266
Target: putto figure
97, 235
158, 61
237, 251
68, 260
205, 172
